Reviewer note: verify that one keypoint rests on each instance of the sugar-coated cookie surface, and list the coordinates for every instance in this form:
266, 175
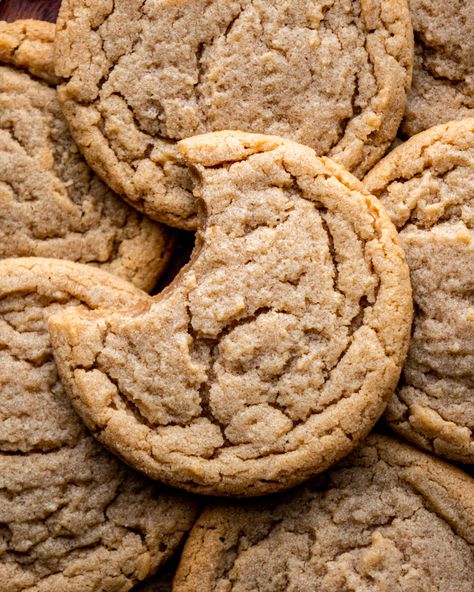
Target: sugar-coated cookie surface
73, 517
53, 205
388, 518
139, 76
275, 351
443, 74
426, 186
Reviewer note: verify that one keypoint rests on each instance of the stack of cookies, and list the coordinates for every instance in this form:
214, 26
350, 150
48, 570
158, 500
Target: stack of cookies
294, 412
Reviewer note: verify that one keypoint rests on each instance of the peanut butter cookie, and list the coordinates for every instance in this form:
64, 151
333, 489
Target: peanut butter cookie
52, 204
426, 186
139, 76
443, 74
274, 352
388, 518
72, 517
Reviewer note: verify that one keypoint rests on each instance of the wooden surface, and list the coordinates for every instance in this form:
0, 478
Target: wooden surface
46, 10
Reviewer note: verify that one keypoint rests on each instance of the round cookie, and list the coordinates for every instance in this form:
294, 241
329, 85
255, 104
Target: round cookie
53, 205
426, 186
443, 72
274, 352
138, 77
72, 517
388, 518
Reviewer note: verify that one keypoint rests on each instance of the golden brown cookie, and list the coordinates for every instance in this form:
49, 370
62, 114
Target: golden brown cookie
388, 518
443, 73
274, 352
426, 186
72, 517
52, 204
138, 77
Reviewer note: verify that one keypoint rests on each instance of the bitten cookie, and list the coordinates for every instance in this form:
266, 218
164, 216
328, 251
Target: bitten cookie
443, 74
138, 77
73, 518
426, 186
388, 518
274, 352
52, 204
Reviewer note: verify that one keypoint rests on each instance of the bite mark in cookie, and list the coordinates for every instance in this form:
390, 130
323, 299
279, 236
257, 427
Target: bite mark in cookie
72, 516
139, 76
275, 351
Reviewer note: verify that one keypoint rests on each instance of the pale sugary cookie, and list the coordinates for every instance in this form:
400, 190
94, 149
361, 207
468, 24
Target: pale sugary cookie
52, 204
443, 73
274, 352
388, 518
330, 74
72, 517
426, 186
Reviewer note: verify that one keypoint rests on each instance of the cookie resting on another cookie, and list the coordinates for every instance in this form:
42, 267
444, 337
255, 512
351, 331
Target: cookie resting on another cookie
426, 185
53, 205
274, 352
72, 517
443, 73
139, 76
388, 518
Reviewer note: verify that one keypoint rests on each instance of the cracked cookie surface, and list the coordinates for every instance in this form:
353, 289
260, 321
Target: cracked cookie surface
443, 72
426, 186
387, 518
72, 517
274, 351
53, 205
141, 75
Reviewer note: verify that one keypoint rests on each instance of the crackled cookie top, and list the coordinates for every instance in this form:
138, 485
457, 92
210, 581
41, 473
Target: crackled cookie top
278, 347
426, 187
72, 517
52, 204
387, 518
443, 74
140, 75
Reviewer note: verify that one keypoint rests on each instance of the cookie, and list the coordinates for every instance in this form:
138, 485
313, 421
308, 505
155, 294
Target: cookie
274, 352
138, 77
425, 185
53, 205
72, 517
443, 73
388, 518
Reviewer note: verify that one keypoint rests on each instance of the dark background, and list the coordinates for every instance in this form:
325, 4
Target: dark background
46, 10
